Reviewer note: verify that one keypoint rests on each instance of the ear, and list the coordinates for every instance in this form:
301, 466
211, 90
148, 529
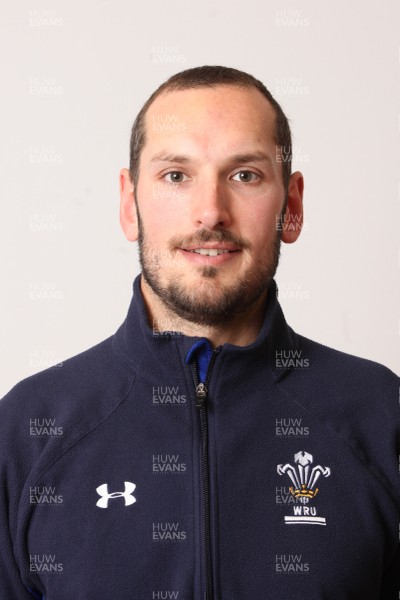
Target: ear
127, 213
293, 219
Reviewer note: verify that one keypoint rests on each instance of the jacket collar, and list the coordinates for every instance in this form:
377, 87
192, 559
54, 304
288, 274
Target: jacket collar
139, 342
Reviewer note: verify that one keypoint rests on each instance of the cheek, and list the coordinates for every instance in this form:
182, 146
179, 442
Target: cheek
259, 220
159, 213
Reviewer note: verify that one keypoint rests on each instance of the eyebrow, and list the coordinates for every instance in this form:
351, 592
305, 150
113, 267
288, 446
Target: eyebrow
164, 157
235, 159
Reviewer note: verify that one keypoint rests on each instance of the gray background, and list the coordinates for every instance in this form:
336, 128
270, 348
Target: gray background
73, 78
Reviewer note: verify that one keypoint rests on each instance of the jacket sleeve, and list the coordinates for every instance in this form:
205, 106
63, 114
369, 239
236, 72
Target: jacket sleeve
391, 576
391, 580
12, 478
11, 585
390, 588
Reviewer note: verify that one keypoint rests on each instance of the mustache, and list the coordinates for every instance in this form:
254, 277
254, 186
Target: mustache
206, 235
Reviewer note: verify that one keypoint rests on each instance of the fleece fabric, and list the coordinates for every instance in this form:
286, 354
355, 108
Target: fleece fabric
151, 466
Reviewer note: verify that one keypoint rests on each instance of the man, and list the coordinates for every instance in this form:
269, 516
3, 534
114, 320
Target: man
204, 451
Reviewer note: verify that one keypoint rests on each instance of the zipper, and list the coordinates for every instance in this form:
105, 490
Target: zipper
201, 403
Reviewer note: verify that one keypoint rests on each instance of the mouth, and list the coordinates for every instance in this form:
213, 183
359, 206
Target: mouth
210, 254
211, 249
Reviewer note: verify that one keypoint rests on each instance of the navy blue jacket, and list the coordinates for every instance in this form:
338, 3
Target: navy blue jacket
134, 471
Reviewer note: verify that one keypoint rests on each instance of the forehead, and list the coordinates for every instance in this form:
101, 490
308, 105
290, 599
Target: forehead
210, 120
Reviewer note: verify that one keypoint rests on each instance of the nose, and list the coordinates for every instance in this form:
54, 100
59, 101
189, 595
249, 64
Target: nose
211, 205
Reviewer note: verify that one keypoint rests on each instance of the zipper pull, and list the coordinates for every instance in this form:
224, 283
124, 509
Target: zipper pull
201, 394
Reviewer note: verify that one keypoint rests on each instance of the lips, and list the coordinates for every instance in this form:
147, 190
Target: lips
209, 251
217, 254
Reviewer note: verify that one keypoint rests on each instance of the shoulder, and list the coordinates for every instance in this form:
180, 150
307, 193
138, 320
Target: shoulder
75, 379
344, 371
339, 385
44, 414
356, 398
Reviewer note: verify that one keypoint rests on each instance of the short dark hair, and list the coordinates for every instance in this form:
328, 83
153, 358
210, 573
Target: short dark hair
212, 76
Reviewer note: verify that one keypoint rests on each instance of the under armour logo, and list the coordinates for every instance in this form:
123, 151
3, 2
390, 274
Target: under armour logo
102, 490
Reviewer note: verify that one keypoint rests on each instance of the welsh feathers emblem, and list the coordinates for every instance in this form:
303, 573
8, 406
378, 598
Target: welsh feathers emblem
304, 478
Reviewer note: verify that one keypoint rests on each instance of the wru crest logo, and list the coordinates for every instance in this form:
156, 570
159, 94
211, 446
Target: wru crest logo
304, 478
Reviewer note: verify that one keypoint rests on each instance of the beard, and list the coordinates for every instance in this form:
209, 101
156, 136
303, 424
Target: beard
208, 302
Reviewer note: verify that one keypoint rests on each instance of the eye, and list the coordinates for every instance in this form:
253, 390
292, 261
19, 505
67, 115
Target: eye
176, 176
246, 176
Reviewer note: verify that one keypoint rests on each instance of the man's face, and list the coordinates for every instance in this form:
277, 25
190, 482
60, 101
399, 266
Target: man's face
209, 195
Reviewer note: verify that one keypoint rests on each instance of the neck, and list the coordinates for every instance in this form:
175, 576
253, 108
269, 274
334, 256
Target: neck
241, 330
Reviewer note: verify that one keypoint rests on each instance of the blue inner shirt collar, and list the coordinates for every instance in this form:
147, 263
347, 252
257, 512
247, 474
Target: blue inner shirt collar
201, 351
